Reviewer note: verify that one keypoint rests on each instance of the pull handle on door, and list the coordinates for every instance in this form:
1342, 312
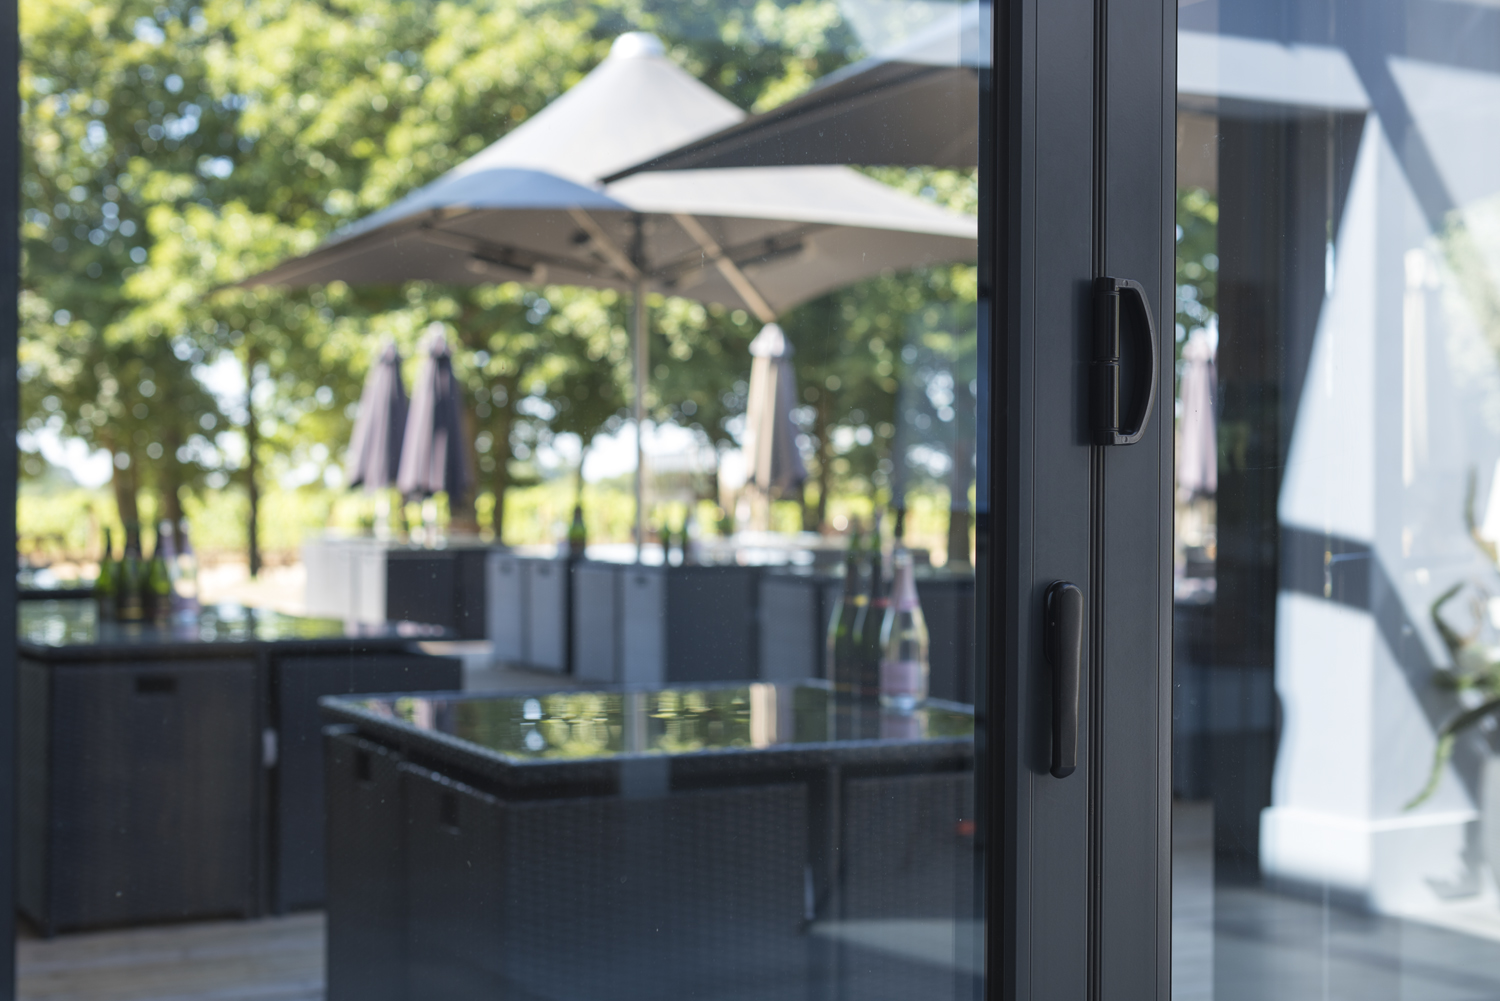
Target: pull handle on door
1110, 426
1063, 645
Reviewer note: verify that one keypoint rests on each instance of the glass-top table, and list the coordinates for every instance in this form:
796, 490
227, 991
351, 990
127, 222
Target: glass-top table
519, 737
73, 628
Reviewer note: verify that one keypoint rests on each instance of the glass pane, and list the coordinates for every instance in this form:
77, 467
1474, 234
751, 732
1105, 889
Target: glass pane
1336, 645
497, 512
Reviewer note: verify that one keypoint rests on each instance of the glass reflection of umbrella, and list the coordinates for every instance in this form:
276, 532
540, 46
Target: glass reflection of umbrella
529, 208
914, 104
1197, 435
434, 454
773, 463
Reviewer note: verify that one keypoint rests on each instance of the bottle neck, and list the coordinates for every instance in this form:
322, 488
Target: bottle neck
904, 589
877, 577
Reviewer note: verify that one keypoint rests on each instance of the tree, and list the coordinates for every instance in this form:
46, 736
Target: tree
103, 91
336, 109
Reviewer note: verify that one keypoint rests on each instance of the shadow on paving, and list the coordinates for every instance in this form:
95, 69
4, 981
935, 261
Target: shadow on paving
1272, 947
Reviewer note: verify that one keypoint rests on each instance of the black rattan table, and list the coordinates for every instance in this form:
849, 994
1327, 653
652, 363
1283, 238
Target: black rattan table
174, 771
641, 843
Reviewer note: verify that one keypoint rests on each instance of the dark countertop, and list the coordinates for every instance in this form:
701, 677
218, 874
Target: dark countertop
590, 738
70, 630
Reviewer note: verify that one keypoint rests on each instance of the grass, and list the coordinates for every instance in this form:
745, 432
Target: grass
61, 522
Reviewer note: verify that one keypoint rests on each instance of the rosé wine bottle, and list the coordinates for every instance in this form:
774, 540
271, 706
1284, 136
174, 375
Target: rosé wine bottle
903, 642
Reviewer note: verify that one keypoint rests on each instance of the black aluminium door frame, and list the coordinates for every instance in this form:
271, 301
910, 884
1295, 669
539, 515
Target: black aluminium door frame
1078, 881
1084, 123
10, 286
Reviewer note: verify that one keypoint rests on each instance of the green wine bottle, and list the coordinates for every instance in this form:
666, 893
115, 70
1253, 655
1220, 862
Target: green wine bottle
869, 624
105, 584
131, 604
578, 533
158, 590
843, 637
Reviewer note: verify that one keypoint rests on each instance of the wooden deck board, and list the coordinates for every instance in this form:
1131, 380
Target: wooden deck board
277, 959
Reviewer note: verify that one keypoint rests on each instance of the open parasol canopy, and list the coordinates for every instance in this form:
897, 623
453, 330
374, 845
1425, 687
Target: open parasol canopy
915, 104
530, 207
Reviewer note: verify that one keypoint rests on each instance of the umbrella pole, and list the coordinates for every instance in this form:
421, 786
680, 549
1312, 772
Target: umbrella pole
639, 349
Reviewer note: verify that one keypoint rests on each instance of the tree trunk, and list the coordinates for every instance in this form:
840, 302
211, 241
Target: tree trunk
463, 519
169, 482
825, 460
252, 468
962, 475
124, 483
500, 428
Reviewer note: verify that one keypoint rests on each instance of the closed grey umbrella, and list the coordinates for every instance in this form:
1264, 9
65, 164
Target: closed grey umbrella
434, 455
915, 104
773, 461
375, 446
1197, 434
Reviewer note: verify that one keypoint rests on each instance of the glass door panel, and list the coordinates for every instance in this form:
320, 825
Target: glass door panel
1334, 627
458, 551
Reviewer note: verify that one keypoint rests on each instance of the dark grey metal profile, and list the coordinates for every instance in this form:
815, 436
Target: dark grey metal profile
1064, 643
1082, 108
10, 275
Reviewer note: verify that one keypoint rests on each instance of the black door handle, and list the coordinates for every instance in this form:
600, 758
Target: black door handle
1110, 427
1063, 644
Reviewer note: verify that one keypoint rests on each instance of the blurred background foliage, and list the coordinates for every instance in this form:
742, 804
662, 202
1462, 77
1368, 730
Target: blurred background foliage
175, 147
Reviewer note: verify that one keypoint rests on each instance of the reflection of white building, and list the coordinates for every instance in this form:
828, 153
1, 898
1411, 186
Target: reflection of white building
1395, 399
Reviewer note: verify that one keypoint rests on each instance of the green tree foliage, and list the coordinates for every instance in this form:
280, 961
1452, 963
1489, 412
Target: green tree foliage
174, 149
1197, 260
102, 109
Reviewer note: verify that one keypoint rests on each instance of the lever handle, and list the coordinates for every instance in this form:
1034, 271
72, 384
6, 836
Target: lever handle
1109, 427
1063, 644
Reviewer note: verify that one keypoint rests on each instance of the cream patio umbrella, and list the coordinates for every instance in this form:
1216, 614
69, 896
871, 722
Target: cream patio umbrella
530, 207
1197, 427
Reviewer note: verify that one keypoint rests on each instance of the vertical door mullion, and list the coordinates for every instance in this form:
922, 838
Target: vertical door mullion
1084, 120
1132, 777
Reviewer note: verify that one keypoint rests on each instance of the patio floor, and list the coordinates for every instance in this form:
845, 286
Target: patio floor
276, 959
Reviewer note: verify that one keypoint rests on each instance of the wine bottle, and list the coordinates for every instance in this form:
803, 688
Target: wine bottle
131, 603
904, 667
843, 638
690, 555
873, 620
158, 593
105, 584
185, 581
578, 533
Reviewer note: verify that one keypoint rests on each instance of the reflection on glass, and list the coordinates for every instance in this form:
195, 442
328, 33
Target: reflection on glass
381, 306
1339, 384
673, 721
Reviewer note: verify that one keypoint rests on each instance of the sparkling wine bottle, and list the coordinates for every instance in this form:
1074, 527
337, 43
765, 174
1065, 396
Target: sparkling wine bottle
159, 574
904, 667
843, 639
